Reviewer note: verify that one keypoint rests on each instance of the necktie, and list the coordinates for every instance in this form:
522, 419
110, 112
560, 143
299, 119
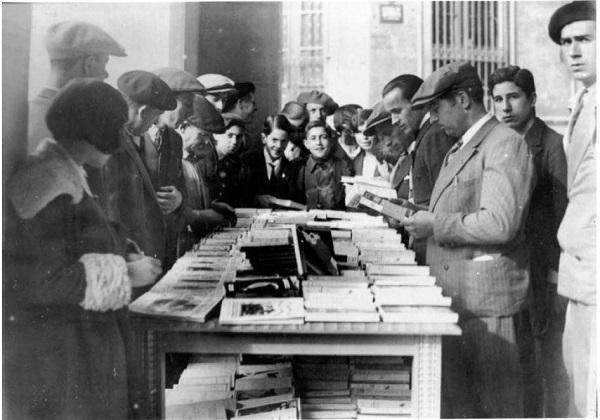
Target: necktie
573, 118
157, 140
271, 171
452, 152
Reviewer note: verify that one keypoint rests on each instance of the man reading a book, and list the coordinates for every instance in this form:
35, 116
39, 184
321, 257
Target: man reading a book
476, 245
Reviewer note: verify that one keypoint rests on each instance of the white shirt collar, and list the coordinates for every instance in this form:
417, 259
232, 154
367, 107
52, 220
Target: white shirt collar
352, 154
470, 133
424, 120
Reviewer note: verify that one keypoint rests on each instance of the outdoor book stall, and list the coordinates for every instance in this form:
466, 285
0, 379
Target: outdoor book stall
352, 332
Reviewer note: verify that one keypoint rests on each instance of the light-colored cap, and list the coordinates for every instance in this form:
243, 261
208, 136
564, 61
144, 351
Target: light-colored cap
216, 83
72, 39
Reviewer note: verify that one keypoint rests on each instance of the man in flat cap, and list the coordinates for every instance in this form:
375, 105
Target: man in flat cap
131, 196
161, 150
573, 27
76, 49
430, 145
476, 247
216, 88
319, 105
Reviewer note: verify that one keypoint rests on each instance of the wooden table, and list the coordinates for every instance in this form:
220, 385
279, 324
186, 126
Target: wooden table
154, 337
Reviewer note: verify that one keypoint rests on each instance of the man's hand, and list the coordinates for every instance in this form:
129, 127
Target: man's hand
226, 211
264, 200
169, 199
420, 224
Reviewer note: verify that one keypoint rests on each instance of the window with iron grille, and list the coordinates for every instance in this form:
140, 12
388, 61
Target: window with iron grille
303, 52
473, 31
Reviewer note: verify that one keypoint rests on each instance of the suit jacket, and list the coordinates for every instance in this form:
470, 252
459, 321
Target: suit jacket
431, 146
131, 199
36, 122
577, 232
258, 183
549, 198
480, 200
400, 181
164, 168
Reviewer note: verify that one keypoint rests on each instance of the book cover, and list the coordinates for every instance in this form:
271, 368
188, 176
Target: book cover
261, 310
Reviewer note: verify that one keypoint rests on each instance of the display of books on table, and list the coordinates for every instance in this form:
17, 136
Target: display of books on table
262, 311
177, 305
415, 314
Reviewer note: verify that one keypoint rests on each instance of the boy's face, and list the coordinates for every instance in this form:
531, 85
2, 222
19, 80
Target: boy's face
318, 142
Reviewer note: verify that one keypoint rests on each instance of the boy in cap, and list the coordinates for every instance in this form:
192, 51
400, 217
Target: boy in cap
75, 49
216, 88
319, 105
297, 117
345, 122
476, 247
546, 382
320, 177
573, 27
131, 197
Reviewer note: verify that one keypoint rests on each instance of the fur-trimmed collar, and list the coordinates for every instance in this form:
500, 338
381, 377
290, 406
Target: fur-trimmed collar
48, 173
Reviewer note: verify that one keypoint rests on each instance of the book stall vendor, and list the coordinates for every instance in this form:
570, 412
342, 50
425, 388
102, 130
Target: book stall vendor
215, 240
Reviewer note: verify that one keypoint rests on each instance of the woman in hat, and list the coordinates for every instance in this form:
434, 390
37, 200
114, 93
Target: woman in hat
69, 274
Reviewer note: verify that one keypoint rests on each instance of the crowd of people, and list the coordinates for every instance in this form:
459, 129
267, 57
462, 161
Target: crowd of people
124, 180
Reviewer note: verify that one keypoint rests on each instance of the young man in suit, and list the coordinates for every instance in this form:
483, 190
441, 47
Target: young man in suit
76, 49
573, 27
270, 173
545, 380
476, 247
429, 148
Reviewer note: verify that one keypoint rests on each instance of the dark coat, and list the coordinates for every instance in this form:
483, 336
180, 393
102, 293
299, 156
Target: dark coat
431, 146
315, 197
547, 208
63, 362
131, 199
257, 182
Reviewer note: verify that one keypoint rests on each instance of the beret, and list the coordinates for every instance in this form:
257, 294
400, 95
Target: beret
178, 80
231, 119
216, 83
318, 97
72, 39
378, 118
570, 12
294, 112
206, 116
147, 88
346, 116
451, 76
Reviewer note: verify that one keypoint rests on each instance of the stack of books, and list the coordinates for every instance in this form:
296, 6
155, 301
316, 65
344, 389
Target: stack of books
204, 389
344, 298
322, 382
264, 389
381, 386
273, 250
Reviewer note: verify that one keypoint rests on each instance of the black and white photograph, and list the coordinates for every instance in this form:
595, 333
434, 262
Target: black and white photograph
420, 174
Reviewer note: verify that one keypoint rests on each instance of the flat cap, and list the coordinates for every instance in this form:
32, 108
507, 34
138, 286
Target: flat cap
378, 118
570, 12
451, 76
147, 88
216, 83
206, 116
232, 119
346, 117
295, 112
179, 81
318, 97
72, 39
